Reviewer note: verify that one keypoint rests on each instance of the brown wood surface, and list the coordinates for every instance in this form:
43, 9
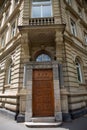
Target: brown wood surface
43, 98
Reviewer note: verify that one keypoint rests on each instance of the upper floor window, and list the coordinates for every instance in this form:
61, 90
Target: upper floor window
6, 14
0, 22
9, 74
73, 27
8, 71
3, 41
79, 11
41, 8
79, 72
69, 2
85, 37
13, 30
43, 57
15, 2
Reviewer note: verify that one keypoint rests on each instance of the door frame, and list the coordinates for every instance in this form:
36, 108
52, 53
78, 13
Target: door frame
28, 68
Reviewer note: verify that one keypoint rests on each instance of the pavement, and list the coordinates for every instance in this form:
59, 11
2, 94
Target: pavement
9, 124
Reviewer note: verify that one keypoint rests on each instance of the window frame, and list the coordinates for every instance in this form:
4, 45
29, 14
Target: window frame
13, 29
8, 72
1, 22
85, 37
41, 5
3, 41
73, 27
79, 71
69, 2
43, 57
7, 14
80, 12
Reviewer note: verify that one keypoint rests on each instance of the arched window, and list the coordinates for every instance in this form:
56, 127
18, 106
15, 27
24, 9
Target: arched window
79, 71
43, 57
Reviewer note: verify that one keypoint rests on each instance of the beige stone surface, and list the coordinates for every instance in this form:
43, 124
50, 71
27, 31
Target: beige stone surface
33, 36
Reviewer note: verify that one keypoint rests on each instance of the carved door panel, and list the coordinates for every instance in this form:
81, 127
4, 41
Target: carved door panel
43, 98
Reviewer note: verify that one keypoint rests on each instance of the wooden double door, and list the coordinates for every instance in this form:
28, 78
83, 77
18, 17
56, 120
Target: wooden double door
43, 93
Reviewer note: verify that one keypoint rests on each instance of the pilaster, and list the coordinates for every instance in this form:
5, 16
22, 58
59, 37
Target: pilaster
26, 12
25, 57
25, 47
58, 113
57, 12
59, 46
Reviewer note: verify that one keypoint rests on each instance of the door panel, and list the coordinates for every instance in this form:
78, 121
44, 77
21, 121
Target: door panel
43, 98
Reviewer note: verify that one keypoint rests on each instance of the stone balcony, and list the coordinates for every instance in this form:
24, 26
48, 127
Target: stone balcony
41, 21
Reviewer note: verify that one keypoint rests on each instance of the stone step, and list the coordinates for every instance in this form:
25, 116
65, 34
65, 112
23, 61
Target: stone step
43, 119
40, 124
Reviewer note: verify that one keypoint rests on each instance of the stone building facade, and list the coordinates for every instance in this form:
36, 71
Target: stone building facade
43, 59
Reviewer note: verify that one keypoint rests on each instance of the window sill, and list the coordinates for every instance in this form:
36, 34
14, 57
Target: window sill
85, 44
7, 85
82, 84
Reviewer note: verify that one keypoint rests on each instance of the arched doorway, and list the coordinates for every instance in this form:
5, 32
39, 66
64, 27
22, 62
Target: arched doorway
43, 93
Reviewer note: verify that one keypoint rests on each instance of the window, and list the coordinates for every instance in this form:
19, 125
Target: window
73, 27
43, 57
69, 2
8, 71
85, 37
41, 8
3, 41
80, 12
13, 30
6, 14
15, 2
79, 72
9, 74
0, 22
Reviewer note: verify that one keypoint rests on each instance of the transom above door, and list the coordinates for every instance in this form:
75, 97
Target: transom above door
43, 57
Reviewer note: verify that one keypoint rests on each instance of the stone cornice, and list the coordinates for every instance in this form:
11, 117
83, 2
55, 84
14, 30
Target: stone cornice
75, 37
4, 8
80, 3
14, 13
8, 95
83, 23
5, 51
24, 28
65, 92
68, 39
77, 94
70, 9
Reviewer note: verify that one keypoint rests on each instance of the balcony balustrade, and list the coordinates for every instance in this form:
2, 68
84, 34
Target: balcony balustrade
41, 21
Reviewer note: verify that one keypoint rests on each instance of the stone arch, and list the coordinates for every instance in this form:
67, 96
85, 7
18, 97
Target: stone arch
79, 59
39, 52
